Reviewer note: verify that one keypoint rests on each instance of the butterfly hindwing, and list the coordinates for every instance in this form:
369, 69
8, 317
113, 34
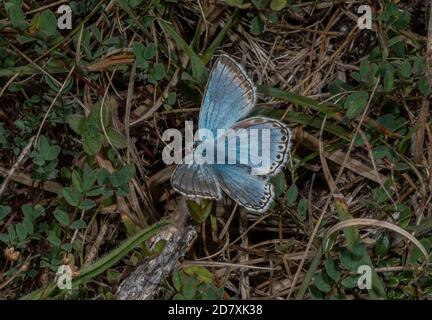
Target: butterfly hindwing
229, 96
196, 180
252, 192
276, 148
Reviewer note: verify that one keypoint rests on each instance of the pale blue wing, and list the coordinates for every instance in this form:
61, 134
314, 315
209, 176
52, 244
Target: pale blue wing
194, 180
276, 147
229, 96
252, 192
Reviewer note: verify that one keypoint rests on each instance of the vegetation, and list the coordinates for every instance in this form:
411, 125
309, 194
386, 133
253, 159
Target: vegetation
82, 179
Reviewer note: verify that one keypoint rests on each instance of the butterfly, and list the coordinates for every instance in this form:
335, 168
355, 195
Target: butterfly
228, 98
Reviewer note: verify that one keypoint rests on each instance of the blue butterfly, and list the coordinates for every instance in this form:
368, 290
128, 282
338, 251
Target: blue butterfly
229, 97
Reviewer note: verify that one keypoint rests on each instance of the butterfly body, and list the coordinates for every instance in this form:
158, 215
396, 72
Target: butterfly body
242, 153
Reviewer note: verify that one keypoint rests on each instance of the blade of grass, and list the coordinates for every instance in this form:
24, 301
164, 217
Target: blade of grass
198, 67
307, 120
208, 54
330, 110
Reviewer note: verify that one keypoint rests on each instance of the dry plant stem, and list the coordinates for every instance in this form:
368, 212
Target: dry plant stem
128, 108
96, 245
25, 179
20, 159
244, 277
146, 280
421, 131
223, 265
50, 5
52, 104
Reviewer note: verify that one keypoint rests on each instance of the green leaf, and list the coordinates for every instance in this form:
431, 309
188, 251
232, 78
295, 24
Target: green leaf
150, 51
116, 138
351, 259
28, 224
158, 71
113, 276
198, 68
322, 282
52, 153
332, 269
203, 274
48, 22
134, 3
278, 5
403, 21
123, 176
380, 152
171, 99
89, 178
302, 209
54, 239
195, 210
292, 195
61, 216
21, 231
27, 211
404, 216
392, 282
97, 191
77, 181
4, 211
388, 80
189, 289
405, 69
177, 280
382, 245
424, 86
350, 282
75, 122
38, 210
355, 103
138, 51
257, 26
71, 195
78, 224
159, 246
92, 145
86, 204
279, 183
234, 3
16, 15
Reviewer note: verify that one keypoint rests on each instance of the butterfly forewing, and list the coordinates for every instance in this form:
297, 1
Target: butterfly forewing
229, 96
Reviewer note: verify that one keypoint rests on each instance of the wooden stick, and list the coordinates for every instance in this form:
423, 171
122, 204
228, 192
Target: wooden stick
145, 281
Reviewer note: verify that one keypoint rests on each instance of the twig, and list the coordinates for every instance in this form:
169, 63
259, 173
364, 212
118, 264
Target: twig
16, 165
